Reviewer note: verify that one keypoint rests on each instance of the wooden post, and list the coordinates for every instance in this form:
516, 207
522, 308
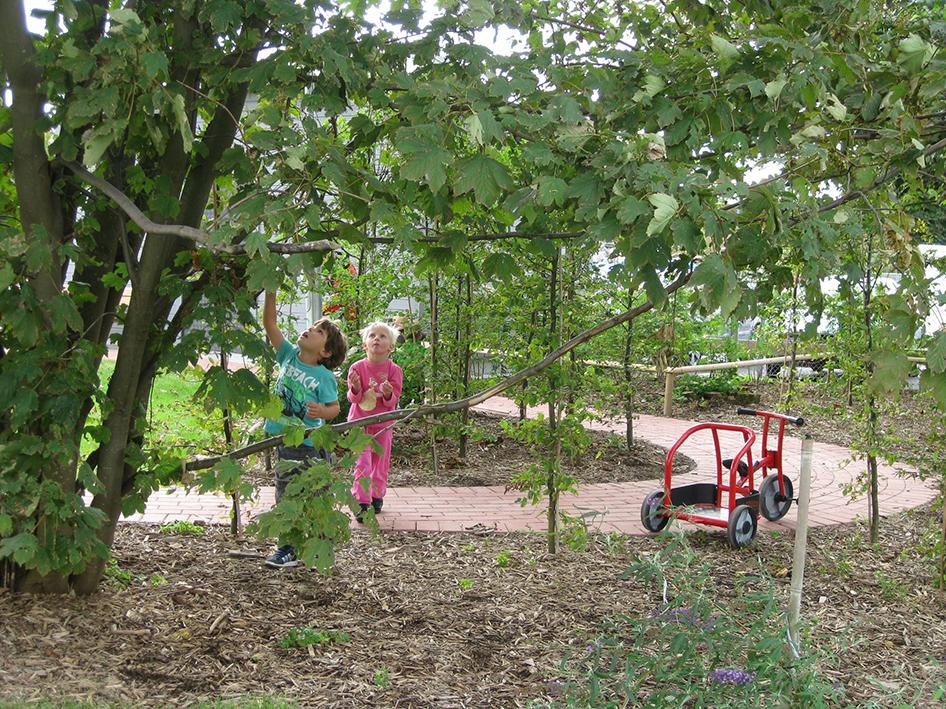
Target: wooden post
669, 376
801, 546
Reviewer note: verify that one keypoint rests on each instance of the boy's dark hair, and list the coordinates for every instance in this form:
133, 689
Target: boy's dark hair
335, 343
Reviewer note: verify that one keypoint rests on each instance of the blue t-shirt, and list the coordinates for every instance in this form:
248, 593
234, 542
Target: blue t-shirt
297, 384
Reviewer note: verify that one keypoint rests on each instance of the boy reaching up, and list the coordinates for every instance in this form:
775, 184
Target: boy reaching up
309, 393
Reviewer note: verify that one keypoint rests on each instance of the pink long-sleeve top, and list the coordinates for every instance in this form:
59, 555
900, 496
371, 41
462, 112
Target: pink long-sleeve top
369, 400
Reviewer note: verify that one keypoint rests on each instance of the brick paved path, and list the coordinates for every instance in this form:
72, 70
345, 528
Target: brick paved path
463, 508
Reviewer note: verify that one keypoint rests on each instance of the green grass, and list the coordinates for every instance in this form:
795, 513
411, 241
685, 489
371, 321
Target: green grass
173, 417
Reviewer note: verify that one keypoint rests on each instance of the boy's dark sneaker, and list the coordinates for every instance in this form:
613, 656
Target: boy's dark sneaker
360, 517
377, 503
283, 557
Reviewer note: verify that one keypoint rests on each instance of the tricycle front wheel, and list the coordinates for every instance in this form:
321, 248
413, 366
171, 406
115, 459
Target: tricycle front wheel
651, 518
773, 504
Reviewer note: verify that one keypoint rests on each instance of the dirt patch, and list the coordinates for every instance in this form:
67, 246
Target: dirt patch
493, 457
437, 620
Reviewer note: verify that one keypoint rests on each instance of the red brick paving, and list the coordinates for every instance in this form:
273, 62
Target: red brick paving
454, 509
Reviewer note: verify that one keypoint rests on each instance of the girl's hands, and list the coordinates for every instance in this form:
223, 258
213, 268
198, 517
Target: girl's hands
386, 389
354, 383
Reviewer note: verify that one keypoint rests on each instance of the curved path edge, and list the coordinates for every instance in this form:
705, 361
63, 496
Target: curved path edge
617, 505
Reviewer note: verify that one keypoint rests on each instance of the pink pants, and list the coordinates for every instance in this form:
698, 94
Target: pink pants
373, 465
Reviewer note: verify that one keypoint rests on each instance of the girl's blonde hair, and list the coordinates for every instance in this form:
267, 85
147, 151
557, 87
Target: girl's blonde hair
391, 330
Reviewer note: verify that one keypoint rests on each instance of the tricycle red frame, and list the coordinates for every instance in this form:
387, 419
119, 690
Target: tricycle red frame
733, 503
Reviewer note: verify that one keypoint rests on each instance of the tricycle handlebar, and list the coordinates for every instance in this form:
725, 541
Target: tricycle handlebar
797, 420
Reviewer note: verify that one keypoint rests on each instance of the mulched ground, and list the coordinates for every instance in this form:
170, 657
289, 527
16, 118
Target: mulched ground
493, 457
438, 620
455, 620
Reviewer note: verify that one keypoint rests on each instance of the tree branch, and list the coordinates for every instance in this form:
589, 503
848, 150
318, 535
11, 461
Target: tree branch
458, 404
489, 237
879, 180
198, 236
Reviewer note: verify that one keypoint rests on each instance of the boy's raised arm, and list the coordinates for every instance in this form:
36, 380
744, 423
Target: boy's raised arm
273, 333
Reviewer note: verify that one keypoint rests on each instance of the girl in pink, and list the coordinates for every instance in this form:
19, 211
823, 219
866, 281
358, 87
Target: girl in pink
374, 386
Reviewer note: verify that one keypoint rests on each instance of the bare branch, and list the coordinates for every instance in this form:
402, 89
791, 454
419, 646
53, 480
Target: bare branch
186, 232
458, 404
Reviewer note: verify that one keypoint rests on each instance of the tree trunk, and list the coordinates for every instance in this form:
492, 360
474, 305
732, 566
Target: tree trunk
467, 357
872, 414
628, 384
432, 283
523, 408
235, 522
551, 481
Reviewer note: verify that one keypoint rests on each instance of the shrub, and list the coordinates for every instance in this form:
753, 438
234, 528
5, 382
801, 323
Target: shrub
696, 648
726, 382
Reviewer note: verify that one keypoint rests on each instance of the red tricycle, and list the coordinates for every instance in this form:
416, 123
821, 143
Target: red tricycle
735, 504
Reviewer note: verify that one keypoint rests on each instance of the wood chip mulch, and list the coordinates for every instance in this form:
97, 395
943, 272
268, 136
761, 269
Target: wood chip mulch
436, 620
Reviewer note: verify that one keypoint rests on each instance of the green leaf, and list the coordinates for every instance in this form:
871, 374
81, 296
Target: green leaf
864, 177
837, 109
24, 326
477, 14
501, 265
727, 51
122, 16
21, 547
262, 275
687, 236
272, 409
665, 207
96, 142
485, 177
720, 287
653, 85
936, 354
155, 63
773, 89
224, 14
890, 371
256, 244
6, 525
914, 53
7, 276
871, 106
631, 208
293, 435
552, 190
935, 383
183, 124
425, 162
64, 315
89, 479
474, 128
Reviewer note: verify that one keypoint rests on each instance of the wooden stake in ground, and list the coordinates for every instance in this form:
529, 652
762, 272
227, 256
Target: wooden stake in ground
801, 544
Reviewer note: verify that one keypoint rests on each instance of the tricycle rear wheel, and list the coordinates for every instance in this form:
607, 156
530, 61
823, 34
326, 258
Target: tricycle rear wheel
742, 526
772, 504
651, 518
